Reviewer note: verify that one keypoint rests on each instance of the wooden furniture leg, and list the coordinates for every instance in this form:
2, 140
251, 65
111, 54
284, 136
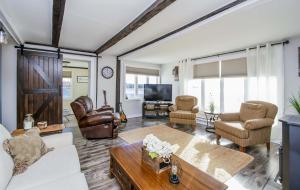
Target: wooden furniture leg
218, 139
242, 149
268, 146
193, 127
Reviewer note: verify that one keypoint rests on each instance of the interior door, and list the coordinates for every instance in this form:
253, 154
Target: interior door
39, 87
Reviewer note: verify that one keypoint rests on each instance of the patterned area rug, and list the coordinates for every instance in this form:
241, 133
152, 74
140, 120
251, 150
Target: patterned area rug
218, 161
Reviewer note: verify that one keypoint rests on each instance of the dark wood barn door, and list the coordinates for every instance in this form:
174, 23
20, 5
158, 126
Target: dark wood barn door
39, 87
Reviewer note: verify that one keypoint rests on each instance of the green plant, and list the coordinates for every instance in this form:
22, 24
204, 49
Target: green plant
295, 102
212, 107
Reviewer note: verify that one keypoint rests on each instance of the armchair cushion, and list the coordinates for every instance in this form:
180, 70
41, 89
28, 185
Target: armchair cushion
230, 116
183, 115
235, 128
252, 111
95, 119
195, 109
258, 123
173, 108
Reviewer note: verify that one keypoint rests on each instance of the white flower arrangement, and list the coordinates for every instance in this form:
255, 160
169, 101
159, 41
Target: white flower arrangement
157, 148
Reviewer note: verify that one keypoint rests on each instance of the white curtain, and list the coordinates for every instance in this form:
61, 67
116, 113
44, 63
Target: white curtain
266, 78
185, 75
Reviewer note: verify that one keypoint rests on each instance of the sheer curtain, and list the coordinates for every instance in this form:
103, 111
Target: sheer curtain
265, 79
185, 75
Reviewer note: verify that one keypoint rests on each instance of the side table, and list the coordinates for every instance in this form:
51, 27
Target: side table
210, 119
51, 129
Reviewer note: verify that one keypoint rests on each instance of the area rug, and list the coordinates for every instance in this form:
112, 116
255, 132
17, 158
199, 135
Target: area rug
220, 162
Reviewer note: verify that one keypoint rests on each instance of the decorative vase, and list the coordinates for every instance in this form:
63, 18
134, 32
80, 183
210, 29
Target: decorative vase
157, 164
28, 122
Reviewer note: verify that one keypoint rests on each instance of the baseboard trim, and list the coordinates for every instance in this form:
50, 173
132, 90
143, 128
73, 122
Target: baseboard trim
134, 115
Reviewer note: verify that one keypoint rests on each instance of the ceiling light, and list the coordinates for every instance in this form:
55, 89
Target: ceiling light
3, 36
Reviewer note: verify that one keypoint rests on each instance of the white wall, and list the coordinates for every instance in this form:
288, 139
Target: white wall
107, 84
168, 78
9, 86
292, 80
133, 108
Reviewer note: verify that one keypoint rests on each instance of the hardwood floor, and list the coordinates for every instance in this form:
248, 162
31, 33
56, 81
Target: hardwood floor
94, 158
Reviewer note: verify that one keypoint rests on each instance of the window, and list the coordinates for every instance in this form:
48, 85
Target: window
234, 93
141, 80
130, 86
220, 82
135, 85
136, 78
194, 88
67, 88
212, 93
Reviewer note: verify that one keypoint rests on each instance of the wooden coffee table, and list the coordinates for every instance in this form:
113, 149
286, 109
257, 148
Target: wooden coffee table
131, 173
56, 128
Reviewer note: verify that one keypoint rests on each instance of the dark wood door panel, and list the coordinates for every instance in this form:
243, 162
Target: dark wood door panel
39, 87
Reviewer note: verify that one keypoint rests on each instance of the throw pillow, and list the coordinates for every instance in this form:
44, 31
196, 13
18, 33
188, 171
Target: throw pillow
252, 111
25, 149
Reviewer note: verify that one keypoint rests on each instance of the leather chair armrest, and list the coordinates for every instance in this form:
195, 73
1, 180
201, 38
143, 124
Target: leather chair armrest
96, 119
258, 123
173, 108
230, 116
105, 108
195, 109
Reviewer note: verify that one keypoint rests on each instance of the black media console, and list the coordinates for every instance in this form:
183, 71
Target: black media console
156, 109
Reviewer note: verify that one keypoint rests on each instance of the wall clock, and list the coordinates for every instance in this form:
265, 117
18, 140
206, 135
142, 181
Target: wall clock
107, 72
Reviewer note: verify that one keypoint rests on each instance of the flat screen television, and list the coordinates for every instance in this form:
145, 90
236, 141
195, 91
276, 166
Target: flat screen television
158, 92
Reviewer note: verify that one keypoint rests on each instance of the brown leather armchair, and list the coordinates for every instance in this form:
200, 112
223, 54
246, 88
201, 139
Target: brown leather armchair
100, 123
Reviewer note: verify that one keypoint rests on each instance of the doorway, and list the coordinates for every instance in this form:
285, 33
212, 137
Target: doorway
75, 84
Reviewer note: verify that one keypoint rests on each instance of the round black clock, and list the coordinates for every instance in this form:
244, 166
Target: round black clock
107, 72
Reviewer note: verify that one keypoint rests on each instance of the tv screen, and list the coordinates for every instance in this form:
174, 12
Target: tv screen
158, 92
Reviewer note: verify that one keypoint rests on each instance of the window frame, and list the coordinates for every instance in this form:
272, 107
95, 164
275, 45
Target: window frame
136, 97
221, 84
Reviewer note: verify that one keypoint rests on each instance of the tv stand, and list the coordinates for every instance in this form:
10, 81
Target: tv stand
156, 109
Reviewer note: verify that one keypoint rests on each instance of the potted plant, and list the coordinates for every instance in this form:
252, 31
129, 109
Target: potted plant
212, 107
295, 102
156, 153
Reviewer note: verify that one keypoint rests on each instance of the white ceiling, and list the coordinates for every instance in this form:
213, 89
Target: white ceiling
263, 21
88, 24
178, 14
30, 19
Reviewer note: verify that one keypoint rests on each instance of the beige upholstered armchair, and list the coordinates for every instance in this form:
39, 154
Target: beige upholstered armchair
249, 127
184, 111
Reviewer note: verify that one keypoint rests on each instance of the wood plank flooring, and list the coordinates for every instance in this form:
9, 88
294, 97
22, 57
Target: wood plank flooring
94, 158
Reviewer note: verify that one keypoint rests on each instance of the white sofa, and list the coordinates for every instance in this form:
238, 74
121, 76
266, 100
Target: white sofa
57, 170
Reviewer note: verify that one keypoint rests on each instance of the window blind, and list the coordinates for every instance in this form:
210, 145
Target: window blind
67, 74
206, 70
234, 67
142, 71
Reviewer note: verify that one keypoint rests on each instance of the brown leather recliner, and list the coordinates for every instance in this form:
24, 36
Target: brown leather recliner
100, 123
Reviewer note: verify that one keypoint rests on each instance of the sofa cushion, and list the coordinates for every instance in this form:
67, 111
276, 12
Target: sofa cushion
58, 140
234, 128
54, 165
6, 162
180, 114
73, 182
252, 111
25, 149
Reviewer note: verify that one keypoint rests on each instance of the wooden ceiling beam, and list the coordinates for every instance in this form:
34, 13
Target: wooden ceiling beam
57, 20
150, 12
